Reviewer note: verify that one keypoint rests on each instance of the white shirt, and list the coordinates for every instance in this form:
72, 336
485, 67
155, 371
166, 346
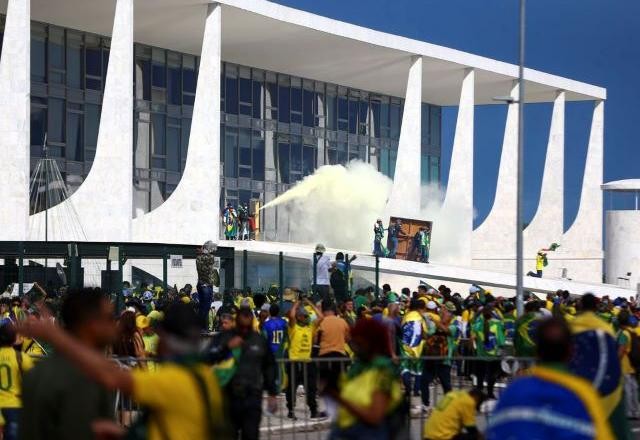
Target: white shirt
322, 270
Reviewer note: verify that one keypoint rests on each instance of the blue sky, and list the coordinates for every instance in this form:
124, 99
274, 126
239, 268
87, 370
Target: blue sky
595, 41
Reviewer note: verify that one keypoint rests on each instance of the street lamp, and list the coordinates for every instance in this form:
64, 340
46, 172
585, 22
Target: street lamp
520, 162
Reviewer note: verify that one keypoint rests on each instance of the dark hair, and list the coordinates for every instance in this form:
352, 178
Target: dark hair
588, 302
125, 344
245, 312
328, 305
339, 256
7, 334
259, 299
406, 291
386, 287
479, 395
531, 306
553, 340
373, 330
80, 306
623, 318
274, 310
180, 320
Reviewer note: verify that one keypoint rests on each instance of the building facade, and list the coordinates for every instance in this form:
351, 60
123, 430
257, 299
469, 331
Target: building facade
160, 112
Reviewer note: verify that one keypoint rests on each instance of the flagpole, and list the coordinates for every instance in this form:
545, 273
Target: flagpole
520, 168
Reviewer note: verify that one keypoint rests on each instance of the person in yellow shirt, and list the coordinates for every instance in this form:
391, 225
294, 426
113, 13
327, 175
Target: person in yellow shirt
12, 365
182, 397
625, 339
369, 393
454, 415
301, 334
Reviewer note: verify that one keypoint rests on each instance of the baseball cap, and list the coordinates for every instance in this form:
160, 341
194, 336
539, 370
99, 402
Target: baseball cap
431, 305
142, 322
450, 306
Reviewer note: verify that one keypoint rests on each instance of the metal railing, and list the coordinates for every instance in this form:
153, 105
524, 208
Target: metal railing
301, 382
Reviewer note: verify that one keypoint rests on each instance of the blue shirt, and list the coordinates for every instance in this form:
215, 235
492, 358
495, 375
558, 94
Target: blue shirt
275, 330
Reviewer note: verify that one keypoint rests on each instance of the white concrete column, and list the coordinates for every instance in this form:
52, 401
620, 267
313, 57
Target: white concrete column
15, 108
191, 214
547, 224
495, 238
458, 203
104, 201
404, 200
585, 234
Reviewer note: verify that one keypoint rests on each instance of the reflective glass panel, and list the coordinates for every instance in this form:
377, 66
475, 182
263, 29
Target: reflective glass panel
38, 125
91, 124
56, 120
74, 136
158, 141
173, 148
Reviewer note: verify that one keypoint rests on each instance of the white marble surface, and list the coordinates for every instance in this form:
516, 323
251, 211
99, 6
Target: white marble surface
15, 108
191, 214
104, 200
404, 200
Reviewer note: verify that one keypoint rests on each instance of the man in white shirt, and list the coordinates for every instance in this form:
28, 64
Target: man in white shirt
321, 277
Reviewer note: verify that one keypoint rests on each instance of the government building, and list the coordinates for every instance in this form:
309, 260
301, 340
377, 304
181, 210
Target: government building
160, 112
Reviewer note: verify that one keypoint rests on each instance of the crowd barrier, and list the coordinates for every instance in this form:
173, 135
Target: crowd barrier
296, 377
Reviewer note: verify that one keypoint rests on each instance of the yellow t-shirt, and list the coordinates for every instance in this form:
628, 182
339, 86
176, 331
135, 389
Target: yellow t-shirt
625, 363
300, 342
539, 262
11, 378
359, 391
176, 402
456, 410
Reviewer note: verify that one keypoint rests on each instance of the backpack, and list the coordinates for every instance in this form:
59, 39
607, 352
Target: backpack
634, 353
436, 345
338, 280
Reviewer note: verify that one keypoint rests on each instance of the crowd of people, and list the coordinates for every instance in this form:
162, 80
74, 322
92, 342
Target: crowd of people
363, 358
238, 224
418, 245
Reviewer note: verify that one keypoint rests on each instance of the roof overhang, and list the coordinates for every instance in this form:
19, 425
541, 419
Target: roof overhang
627, 185
262, 34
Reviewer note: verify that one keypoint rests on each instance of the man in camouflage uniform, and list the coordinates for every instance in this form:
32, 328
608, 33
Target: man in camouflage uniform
207, 278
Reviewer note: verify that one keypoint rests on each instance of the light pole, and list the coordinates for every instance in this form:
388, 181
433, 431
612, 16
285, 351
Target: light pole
520, 161
520, 167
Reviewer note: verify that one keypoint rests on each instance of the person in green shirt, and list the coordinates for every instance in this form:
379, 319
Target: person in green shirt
487, 336
525, 328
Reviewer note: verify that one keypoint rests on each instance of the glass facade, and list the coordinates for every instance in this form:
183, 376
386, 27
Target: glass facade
278, 128
275, 128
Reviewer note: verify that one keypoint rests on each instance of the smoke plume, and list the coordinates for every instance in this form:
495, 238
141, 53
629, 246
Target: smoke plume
337, 206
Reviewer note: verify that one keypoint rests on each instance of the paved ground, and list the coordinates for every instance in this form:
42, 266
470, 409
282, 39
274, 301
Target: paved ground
279, 427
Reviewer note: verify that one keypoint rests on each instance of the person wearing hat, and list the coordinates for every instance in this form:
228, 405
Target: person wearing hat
301, 335
320, 268
149, 335
436, 346
208, 278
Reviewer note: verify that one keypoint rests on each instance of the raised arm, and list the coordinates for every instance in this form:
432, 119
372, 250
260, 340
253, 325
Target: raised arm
91, 362
292, 313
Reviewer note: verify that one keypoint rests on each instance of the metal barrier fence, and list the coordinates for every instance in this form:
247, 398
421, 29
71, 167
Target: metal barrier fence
301, 385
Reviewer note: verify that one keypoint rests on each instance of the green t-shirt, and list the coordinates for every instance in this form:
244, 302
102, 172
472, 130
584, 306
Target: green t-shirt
359, 301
